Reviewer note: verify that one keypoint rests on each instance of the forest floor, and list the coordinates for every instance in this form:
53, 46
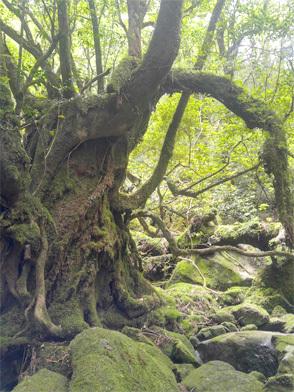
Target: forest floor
219, 328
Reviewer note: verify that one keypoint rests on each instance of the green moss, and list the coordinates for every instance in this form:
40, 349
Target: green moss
222, 315
136, 334
11, 322
105, 360
222, 375
61, 184
165, 315
69, 315
259, 376
211, 332
122, 73
43, 381
176, 346
248, 313
280, 383
190, 324
220, 271
278, 311
182, 370
288, 319
249, 327
233, 296
185, 272
268, 298
281, 342
25, 232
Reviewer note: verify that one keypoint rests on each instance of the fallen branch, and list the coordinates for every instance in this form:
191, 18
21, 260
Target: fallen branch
206, 251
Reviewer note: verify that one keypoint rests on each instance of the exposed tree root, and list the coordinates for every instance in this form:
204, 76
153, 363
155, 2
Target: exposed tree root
40, 313
21, 284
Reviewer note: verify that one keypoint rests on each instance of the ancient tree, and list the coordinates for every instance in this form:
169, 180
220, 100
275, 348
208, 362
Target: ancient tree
67, 257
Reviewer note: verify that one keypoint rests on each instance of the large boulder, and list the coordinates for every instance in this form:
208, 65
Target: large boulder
221, 271
280, 383
221, 377
186, 304
211, 332
246, 351
284, 345
105, 360
43, 381
247, 313
174, 345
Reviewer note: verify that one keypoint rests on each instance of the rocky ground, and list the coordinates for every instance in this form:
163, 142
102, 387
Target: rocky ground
219, 329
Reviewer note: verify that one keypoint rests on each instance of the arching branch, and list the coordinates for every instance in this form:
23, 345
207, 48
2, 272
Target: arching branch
256, 115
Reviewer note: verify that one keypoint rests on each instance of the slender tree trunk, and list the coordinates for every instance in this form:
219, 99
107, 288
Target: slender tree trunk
97, 45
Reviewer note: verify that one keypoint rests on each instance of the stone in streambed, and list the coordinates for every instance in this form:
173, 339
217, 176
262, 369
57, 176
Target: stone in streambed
221, 377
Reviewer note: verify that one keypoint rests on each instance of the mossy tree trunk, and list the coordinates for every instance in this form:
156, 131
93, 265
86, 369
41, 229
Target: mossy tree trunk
67, 256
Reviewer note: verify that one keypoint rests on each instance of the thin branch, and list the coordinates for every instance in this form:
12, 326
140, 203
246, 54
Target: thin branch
38, 64
31, 47
217, 171
182, 192
97, 77
120, 17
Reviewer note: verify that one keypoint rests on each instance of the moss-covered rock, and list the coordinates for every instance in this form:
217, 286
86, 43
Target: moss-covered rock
280, 383
288, 319
246, 351
279, 276
222, 377
283, 343
43, 381
268, 298
222, 270
222, 315
287, 363
278, 311
105, 360
259, 376
211, 332
197, 297
229, 327
249, 327
181, 370
136, 334
233, 296
175, 345
247, 313
185, 307
284, 324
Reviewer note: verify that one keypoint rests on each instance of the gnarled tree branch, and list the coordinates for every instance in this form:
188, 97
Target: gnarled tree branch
206, 251
256, 115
